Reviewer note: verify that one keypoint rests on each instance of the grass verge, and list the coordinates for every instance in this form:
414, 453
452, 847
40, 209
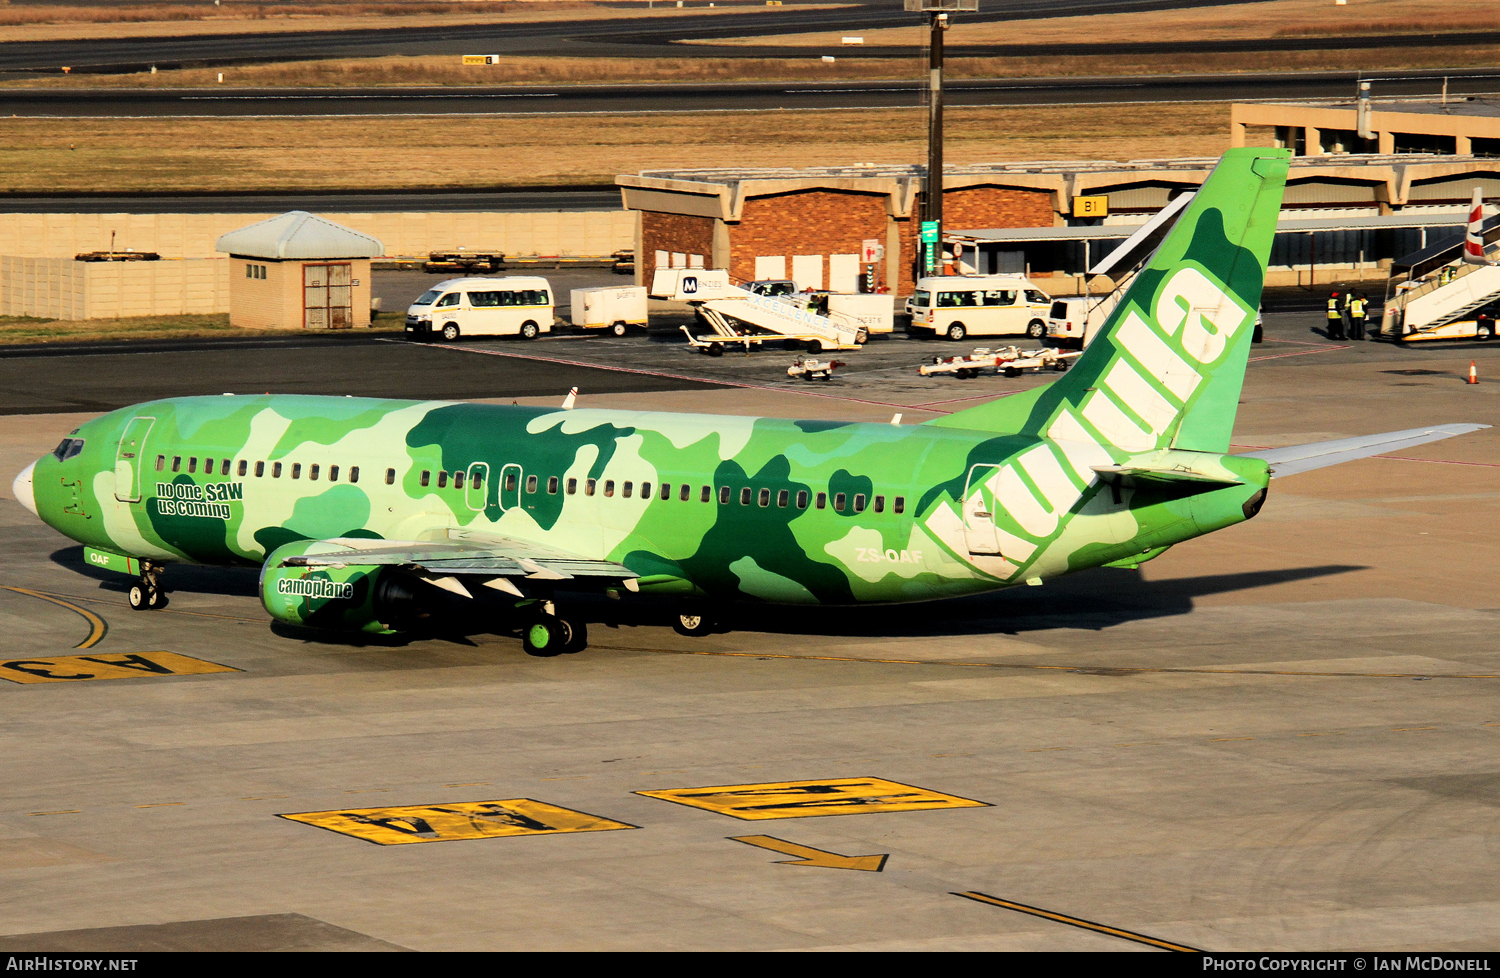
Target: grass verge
235, 155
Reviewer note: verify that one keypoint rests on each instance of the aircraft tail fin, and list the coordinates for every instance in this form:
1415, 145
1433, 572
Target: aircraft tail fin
1474, 236
1166, 369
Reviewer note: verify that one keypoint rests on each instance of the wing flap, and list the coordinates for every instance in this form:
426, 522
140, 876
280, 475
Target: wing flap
1304, 458
493, 558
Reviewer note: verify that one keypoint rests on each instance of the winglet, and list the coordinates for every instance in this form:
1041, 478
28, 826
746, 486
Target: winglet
567, 404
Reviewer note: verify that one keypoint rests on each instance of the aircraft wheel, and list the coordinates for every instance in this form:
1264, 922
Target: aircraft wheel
140, 600
545, 636
577, 638
694, 624
156, 598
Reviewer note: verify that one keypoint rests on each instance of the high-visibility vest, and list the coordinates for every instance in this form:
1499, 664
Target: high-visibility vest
1357, 308
1333, 308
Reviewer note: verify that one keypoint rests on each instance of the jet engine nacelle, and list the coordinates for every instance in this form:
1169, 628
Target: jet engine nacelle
379, 600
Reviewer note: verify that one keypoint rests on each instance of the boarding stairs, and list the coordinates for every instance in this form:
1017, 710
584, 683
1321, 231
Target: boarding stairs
738, 315
1435, 303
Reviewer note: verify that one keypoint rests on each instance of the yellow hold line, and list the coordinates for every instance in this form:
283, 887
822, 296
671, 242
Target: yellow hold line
1077, 922
97, 628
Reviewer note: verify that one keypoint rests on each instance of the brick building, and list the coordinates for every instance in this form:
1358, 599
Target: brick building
810, 225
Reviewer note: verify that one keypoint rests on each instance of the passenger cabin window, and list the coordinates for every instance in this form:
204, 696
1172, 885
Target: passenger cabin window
782, 498
572, 486
244, 467
589, 486
686, 491
443, 479
859, 502
802, 499
609, 487
477, 483
390, 477
880, 504
333, 473
552, 485
312, 472
822, 500
426, 477
192, 464
705, 496
838, 502
176, 463
899, 504
260, 469
161, 463
626, 489
275, 470
765, 498
208, 466
296, 470
645, 490
666, 491
530, 483
458, 480
745, 496
510, 482
224, 467
353, 473
724, 493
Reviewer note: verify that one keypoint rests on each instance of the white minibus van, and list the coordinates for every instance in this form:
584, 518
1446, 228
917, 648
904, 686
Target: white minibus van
515, 305
956, 306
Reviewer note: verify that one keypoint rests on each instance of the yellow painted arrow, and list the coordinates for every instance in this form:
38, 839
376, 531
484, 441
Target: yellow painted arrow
808, 856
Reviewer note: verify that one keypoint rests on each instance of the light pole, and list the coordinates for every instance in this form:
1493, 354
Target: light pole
932, 192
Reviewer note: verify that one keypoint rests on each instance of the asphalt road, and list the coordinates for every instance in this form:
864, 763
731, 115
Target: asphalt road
720, 97
619, 36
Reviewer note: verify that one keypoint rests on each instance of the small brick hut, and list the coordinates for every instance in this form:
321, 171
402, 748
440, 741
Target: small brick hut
299, 271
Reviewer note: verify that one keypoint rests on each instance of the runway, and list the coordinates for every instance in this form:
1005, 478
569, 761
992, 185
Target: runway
1274, 738
731, 97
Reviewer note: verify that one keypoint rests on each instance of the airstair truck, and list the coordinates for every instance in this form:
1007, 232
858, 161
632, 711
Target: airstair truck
1450, 287
739, 317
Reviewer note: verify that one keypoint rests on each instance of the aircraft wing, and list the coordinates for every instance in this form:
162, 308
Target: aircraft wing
493, 557
1304, 458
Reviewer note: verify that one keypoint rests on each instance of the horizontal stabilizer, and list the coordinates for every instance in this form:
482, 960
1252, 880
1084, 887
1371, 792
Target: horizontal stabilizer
1305, 458
1170, 466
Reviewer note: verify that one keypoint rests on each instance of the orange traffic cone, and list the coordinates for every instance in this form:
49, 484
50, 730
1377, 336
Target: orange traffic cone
1473, 374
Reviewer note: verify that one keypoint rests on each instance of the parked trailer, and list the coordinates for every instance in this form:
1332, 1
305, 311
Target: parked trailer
615, 308
1010, 360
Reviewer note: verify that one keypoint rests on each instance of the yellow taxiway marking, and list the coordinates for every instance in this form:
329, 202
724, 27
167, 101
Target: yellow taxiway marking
1410, 729
1216, 740
114, 665
466, 784
65, 811
457, 821
163, 804
805, 799
97, 628
262, 797
808, 856
1076, 922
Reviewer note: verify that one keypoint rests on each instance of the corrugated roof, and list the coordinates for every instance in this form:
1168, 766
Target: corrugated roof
298, 234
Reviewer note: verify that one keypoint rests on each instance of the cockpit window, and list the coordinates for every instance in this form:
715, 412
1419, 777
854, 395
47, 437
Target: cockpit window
67, 448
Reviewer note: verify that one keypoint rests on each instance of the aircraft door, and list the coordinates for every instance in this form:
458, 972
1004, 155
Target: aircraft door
129, 459
510, 487
979, 510
477, 486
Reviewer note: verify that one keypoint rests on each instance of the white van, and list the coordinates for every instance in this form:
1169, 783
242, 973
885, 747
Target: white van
514, 305
956, 306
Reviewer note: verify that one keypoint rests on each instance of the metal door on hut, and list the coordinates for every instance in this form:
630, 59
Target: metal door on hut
327, 298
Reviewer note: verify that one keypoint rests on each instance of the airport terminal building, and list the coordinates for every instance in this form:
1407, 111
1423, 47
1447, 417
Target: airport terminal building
1342, 214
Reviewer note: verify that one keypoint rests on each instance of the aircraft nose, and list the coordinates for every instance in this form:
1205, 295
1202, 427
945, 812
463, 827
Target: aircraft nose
22, 489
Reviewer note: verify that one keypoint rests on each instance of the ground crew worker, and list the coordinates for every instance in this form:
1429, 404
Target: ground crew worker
1335, 317
1357, 316
1446, 275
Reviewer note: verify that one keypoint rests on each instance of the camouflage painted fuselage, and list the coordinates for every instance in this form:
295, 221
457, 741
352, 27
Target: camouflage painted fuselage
976, 510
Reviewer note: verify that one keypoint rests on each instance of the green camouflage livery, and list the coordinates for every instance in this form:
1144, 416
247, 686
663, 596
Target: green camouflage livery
1120, 458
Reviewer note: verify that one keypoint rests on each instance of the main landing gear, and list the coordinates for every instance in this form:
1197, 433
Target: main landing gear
147, 593
694, 622
546, 633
